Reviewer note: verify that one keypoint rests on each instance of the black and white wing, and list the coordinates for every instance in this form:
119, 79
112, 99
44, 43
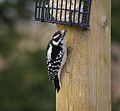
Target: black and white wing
55, 56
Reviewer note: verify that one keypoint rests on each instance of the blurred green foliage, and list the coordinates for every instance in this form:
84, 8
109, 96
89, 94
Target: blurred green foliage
24, 84
13, 10
115, 20
116, 38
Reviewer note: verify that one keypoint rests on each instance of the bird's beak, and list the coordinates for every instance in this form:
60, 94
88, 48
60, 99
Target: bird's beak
63, 32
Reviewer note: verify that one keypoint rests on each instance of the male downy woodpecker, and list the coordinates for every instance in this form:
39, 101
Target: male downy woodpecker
56, 57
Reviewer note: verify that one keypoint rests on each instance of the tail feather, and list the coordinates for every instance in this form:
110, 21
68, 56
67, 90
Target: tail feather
56, 82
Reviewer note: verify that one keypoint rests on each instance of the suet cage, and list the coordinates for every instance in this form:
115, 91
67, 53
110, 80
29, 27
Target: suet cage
67, 12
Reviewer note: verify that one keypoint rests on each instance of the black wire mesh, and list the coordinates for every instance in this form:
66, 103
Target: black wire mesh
69, 12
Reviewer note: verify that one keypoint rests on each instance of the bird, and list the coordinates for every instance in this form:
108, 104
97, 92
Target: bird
56, 55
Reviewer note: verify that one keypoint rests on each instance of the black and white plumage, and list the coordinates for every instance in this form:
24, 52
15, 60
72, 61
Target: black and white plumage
56, 57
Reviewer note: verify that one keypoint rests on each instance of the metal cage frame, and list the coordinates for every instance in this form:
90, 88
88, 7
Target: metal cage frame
44, 12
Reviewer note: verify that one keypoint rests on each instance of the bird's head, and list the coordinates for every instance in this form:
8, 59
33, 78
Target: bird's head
59, 37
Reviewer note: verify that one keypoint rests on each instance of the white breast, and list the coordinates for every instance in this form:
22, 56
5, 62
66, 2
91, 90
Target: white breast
49, 52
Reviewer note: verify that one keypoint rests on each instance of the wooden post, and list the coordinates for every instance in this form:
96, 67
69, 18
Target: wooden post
86, 77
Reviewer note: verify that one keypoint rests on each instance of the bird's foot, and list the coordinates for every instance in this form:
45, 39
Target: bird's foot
69, 49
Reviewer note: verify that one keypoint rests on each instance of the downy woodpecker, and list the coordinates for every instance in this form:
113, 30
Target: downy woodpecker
56, 57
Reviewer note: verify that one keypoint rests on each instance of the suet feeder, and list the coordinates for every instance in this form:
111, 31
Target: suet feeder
67, 12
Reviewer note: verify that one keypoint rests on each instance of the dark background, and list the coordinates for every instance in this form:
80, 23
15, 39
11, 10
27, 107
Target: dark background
24, 84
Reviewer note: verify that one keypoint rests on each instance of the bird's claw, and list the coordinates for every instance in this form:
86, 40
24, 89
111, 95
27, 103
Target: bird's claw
69, 49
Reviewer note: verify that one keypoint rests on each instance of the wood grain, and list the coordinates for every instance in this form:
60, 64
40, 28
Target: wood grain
86, 76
